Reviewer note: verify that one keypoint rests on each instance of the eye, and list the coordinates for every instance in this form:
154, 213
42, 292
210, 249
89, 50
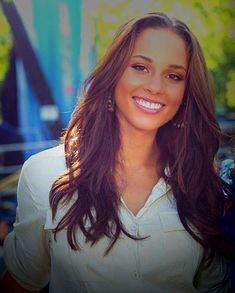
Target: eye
140, 67
174, 76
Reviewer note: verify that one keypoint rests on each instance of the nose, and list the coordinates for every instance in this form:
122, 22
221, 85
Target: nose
154, 84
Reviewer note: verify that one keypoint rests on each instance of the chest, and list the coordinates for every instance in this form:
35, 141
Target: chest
167, 254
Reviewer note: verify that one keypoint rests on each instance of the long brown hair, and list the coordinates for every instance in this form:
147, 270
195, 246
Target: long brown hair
92, 142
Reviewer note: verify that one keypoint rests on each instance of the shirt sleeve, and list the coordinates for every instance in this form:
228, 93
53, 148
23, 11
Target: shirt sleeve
26, 248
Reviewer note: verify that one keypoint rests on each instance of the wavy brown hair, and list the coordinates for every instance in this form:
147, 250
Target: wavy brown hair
92, 143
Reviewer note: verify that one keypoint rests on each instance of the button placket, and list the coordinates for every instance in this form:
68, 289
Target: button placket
133, 230
135, 275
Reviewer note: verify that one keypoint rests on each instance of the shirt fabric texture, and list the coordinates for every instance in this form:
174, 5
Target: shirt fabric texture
165, 261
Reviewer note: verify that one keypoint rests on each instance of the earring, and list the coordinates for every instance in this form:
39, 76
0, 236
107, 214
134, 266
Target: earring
174, 121
178, 125
110, 104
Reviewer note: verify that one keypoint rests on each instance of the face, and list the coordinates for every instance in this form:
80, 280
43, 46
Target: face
151, 88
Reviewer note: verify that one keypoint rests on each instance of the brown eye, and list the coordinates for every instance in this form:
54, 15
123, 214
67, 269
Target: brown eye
139, 67
174, 77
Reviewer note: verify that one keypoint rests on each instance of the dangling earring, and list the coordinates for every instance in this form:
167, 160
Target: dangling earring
111, 104
178, 125
181, 124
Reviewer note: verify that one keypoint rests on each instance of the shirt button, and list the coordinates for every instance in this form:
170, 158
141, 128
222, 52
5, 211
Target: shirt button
135, 275
133, 229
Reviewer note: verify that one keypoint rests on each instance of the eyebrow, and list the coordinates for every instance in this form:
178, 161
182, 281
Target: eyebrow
176, 66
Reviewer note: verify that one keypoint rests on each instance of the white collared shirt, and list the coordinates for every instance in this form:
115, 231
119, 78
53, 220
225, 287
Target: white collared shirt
166, 261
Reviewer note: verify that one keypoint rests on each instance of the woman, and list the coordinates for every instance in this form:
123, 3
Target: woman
131, 202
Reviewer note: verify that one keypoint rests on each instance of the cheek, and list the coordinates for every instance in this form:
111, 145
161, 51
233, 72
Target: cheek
129, 81
178, 95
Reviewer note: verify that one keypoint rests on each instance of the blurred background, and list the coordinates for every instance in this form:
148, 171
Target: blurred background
47, 48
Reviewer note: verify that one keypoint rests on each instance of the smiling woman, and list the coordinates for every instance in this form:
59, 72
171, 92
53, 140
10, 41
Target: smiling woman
131, 201
153, 82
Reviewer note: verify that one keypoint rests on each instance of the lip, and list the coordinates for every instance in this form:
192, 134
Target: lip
144, 109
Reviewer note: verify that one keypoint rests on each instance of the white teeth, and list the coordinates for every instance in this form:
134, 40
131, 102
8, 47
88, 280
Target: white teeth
148, 105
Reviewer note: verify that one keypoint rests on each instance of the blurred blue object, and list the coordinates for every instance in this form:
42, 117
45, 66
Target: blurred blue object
227, 173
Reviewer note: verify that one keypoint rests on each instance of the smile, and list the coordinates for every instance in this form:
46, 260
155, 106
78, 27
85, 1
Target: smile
147, 105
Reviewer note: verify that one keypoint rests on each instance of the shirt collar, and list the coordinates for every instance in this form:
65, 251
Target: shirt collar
160, 189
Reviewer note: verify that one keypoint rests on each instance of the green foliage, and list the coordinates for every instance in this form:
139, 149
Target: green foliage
230, 89
5, 45
212, 22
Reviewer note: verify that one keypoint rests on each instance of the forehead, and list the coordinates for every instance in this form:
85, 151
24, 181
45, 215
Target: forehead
161, 44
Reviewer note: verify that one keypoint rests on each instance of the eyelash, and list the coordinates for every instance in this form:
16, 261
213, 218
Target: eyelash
174, 77
139, 67
142, 68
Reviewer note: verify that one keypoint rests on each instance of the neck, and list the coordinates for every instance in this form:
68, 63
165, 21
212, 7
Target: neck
138, 149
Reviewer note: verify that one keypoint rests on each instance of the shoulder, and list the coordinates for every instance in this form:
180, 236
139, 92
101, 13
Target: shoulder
46, 157
45, 165
39, 172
